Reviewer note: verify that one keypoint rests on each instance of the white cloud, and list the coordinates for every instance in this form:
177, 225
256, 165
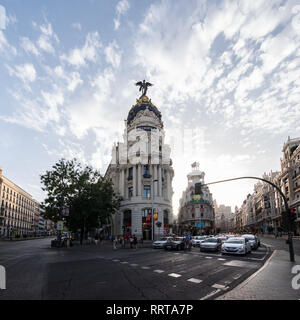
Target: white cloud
113, 54
77, 26
25, 72
121, 8
29, 46
87, 53
45, 42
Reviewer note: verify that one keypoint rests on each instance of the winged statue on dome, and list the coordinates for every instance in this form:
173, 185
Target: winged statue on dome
143, 87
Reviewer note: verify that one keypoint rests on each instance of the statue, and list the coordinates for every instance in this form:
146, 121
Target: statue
143, 87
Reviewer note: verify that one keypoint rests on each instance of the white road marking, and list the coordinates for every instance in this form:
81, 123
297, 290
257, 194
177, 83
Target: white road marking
174, 275
158, 271
176, 252
221, 259
210, 294
235, 277
124, 262
208, 257
116, 260
134, 264
194, 280
145, 268
219, 286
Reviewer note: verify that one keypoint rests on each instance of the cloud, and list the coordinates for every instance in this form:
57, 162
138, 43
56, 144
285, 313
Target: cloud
29, 46
79, 57
113, 54
76, 25
45, 41
5, 48
121, 8
25, 72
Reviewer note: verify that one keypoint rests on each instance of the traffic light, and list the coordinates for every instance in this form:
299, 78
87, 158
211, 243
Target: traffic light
198, 187
292, 214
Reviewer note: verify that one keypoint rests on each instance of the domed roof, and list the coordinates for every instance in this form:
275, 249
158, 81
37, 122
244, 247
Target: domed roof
141, 104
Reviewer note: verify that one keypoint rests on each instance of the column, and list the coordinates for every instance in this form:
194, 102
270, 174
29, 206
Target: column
160, 181
122, 183
134, 180
168, 186
155, 183
139, 180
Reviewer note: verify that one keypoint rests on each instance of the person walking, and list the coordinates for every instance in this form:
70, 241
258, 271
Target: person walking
96, 239
134, 241
131, 242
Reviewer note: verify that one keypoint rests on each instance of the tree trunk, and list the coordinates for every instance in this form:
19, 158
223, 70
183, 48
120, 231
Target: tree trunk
81, 235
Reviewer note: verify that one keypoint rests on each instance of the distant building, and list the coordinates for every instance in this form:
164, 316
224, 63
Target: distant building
223, 217
17, 211
196, 212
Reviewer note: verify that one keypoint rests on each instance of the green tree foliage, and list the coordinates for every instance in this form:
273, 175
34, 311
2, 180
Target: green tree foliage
89, 197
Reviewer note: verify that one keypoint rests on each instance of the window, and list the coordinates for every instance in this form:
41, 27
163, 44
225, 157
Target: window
130, 173
147, 192
146, 169
130, 192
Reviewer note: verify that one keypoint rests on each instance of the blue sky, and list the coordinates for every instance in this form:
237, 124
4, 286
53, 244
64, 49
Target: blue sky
225, 74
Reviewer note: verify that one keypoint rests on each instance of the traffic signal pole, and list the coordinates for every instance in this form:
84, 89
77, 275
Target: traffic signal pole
286, 205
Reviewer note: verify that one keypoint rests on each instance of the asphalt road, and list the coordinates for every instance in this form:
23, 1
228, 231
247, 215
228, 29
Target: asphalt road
36, 271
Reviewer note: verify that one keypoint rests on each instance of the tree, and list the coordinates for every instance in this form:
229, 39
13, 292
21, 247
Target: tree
89, 197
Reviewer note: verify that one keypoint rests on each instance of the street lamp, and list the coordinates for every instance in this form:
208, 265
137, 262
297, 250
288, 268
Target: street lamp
152, 213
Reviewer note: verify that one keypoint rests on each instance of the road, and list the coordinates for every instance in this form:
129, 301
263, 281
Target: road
36, 271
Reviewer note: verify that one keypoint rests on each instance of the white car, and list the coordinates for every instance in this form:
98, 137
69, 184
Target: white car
236, 245
252, 239
161, 242
197, 240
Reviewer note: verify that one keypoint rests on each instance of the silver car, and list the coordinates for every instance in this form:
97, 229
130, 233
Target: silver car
237, 245
211, 244
197, 240
161, 242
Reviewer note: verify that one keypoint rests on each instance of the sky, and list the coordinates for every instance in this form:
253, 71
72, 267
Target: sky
225, 73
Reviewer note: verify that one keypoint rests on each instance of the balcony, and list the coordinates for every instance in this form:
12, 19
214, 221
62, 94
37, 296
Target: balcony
130, 178
147, 176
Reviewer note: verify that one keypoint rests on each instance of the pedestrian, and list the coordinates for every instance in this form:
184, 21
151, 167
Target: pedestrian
134, 241
131, 242
96, 239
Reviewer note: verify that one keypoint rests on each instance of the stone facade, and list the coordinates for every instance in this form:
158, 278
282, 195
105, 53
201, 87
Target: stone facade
142, 173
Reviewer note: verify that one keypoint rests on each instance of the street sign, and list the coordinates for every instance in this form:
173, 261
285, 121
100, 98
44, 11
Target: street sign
60, 225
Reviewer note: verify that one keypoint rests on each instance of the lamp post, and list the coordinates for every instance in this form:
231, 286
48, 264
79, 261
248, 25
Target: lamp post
152, 213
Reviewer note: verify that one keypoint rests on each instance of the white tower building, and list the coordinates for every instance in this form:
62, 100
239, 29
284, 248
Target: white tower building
141, 171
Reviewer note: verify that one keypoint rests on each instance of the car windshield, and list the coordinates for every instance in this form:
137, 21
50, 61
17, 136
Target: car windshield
235, 241
211, 240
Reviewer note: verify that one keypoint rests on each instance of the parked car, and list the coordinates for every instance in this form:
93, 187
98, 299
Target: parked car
177, 243
211, 244
253, 240
197, 240
237, 245
161, 242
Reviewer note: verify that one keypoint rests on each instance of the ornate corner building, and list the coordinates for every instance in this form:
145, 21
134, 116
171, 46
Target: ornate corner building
142, 174
196, 212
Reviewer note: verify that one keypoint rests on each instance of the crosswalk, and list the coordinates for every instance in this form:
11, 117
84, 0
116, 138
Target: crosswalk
211, 272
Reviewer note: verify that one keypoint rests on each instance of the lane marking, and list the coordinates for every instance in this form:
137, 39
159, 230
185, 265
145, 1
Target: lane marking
208, 257
134, 264
210, 294
219, 286
145, 268
174, 275
124, 262
116, 260
237, 276
194, 280
221, 259
158, 271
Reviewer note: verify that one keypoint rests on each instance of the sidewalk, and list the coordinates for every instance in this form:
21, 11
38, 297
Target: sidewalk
272, 282
273, 237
